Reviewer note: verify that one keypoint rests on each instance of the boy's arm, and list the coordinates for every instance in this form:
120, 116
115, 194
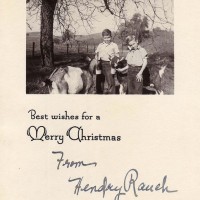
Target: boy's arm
116, 50
97, 56
122, 69
117, 54
97, 52
143, 66
139, 75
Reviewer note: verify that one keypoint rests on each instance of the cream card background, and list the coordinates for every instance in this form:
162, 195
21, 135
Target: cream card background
160, 134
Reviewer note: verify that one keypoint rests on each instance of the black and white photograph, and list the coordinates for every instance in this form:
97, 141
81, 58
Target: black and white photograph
100, 47
123, 146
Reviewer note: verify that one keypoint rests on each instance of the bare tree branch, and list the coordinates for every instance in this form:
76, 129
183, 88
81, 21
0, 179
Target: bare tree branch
66, 11
107, 7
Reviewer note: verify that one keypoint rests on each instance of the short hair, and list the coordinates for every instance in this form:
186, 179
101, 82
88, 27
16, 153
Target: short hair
106, 32
130, 38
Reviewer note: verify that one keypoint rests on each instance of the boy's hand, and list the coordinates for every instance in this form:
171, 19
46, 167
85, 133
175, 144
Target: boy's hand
113, 61
119, 70
114, 65
139, 77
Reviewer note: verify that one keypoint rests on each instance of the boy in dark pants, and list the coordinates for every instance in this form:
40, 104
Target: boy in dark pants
104, 54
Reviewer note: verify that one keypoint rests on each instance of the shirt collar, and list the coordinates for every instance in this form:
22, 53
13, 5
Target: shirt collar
106, 43
138, 47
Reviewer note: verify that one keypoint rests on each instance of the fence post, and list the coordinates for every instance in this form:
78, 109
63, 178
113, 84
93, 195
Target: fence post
87, 47
33, 50
67, 48
78, 47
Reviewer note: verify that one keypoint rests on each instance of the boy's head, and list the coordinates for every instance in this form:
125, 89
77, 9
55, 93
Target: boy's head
107, 34
132, 42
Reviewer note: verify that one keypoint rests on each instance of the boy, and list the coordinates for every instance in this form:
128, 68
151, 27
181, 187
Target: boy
137, 62
104, 54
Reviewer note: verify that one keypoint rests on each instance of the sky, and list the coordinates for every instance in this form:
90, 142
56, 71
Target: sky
101, 22
106, 20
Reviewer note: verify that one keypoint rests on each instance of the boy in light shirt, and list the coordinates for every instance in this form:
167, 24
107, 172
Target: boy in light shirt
104, 54
137, 62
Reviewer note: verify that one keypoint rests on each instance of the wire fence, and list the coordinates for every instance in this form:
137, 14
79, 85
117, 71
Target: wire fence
159, 44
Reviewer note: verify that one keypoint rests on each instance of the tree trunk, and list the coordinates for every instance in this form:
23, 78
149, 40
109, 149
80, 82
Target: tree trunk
46, 37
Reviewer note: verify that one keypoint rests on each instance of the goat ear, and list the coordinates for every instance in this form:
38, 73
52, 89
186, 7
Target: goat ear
88, 58
162, 70
121, 59
47, 82
129, 48
42, 84
163, 67
66, 69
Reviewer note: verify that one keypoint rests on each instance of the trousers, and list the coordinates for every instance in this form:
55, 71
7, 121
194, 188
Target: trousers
106, 76
134, 86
